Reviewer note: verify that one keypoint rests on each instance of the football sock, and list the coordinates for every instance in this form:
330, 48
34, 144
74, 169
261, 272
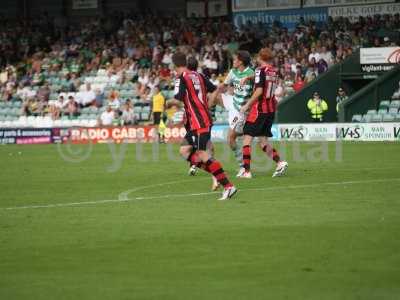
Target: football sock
214, 167
271, 153
246, 157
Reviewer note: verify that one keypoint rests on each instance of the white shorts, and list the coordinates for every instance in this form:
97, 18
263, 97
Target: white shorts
236, 118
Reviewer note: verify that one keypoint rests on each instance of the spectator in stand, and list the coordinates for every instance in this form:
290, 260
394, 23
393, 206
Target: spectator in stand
299, 84
322, 66
341, 96
314, 55
72, 108
146, 97
142, 81
107, 117
317, 108
280, 91
114, 102
87, 97
128, 115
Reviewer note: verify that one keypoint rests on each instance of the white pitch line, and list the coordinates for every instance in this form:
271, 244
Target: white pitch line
301, 186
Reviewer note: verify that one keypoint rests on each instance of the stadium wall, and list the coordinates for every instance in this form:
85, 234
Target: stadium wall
294, 108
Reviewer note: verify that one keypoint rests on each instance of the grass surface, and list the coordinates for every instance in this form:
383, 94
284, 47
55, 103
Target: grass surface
330, 229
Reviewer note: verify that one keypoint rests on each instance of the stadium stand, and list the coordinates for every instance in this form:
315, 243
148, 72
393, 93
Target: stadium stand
44, 70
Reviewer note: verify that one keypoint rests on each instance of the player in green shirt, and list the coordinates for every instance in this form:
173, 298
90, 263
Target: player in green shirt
241, 78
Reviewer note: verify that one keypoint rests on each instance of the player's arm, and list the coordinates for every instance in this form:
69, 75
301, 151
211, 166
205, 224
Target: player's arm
247, 78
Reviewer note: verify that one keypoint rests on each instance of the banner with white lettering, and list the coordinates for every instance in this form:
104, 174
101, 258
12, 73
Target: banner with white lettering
289, 18
354, 12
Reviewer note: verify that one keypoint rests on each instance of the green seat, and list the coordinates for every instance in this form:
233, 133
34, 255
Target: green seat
356, 118
366, 118
397, 117
395, 103
17, 104
145, 115
393, 110
376, 118
388, 118
382, 111
371, 112
384, 104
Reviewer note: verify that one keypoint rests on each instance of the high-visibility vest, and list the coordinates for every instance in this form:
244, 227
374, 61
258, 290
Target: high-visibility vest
317, 110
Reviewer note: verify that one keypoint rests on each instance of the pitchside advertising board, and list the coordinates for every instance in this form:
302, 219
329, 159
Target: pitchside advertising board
175, 134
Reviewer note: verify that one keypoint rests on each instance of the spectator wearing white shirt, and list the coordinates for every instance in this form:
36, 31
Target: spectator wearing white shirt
87, 97
314, 54
128, 115
107, 117
326, 56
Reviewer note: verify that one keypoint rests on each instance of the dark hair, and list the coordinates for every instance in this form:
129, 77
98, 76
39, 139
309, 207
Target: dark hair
192, 63
244, 57
179, 59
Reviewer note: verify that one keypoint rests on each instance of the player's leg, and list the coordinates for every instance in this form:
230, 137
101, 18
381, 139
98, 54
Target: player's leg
281, 166
186, 149
232, 142
213, 166
235, 129
211, 151
244, 171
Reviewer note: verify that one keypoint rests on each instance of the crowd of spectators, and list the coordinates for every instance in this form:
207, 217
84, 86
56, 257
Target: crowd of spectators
46, 64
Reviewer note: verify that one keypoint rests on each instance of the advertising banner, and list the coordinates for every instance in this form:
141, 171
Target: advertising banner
369, 132
354, 12
384, 55
26, 136
133, 134
307, 132
287, 17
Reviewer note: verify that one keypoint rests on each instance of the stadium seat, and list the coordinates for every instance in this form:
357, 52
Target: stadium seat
382, 111
356, 118
371, 112
388, 118
366, 118
393, 110
384, 104
376, 118
397, 117
395, 104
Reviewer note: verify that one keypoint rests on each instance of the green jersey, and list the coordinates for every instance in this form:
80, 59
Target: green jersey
241, 91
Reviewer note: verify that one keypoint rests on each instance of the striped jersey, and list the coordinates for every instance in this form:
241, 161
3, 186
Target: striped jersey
266, 78
242, 92
192, 88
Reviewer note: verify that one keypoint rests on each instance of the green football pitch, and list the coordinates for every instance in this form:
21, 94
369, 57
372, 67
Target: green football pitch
126, 222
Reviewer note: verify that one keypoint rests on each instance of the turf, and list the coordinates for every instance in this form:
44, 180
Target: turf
328, 230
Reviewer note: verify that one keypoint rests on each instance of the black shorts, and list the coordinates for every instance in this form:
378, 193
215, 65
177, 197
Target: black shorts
198, 141
157, 118
261, 127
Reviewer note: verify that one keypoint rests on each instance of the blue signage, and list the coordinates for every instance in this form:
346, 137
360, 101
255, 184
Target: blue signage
288, 18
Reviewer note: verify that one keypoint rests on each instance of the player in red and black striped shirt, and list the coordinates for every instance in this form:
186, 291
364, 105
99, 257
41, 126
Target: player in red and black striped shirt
192, 89
261, 109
